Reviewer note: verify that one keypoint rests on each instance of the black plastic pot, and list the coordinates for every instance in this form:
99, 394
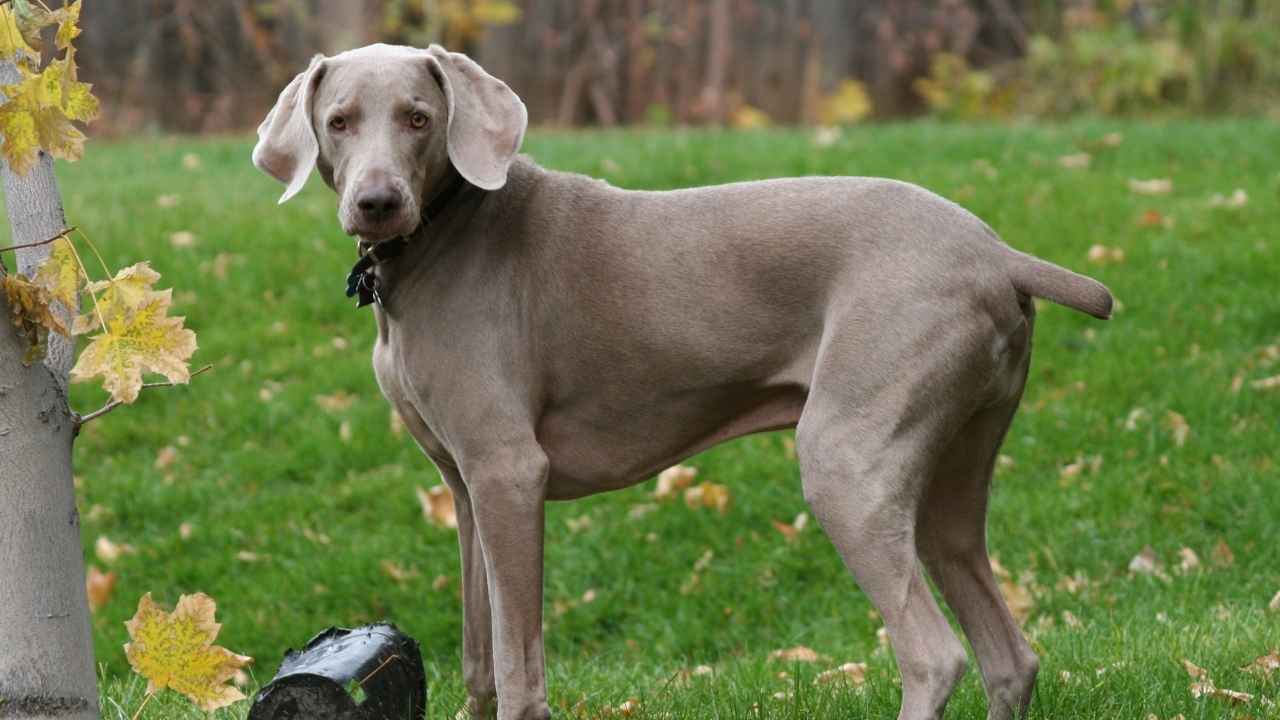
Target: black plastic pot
367, 673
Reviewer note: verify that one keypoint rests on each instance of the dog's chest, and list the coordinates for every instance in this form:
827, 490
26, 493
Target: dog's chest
390, 374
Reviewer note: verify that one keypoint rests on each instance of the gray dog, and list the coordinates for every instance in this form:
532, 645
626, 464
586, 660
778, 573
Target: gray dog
547, 336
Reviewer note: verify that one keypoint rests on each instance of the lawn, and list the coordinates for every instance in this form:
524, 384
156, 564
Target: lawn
276, 483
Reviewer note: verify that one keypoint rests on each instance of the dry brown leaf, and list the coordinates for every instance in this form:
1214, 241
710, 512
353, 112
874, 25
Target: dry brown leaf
1154, 186
99, 586
1222, 555
397, 572
1147, 562
1070, 620
578, 524
1178, 427
673, 480
1103, 255
1075, 161
1271, 383
708, 495
1153, 218
167, 456
1236, 200
799, 653
1265, 664
851, 673
397, 423
437, 506
791, 531
108, 551
182, 239
1188, 560
1274, 605
336, 402
1019, 600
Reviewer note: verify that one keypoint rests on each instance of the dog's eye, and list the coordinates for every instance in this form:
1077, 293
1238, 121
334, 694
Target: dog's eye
337, 122
418, 120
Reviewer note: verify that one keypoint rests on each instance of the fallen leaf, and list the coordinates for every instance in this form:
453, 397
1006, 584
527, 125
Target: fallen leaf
397, 572
1264, 665
108, 551
167, 201
1178, 427
437, 506
191, 161
397, 423
182, 239
1019, 600
673, 480
1103, 255
1195, 671
99, 586
826, 136
175, 650
799, 654
1222, 555
1236, 200
166, 457
1070, 620
1274, 605
440, 583
708, 495
1147, 563
1076, 161
1154, 186
248, 556
1271, 383
791, 531
336, 402
1154, 218
344, 431
1188, 560
852, 673
578, 524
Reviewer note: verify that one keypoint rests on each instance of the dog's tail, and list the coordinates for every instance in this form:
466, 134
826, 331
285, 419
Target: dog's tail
1037, 278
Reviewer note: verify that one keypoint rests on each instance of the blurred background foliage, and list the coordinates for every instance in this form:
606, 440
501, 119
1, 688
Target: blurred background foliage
196, 66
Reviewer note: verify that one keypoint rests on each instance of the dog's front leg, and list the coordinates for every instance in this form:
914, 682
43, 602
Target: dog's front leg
477, 621
507, 493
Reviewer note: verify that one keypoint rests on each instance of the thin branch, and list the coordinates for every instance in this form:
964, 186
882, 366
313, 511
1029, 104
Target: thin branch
38, 243
82, 419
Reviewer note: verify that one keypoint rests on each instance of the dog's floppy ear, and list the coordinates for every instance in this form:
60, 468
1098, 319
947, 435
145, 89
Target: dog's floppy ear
287, 146
486, 119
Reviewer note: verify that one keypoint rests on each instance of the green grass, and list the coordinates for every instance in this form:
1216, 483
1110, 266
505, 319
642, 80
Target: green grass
260, 466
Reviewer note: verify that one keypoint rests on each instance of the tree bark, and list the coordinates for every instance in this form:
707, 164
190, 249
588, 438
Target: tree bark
46, 646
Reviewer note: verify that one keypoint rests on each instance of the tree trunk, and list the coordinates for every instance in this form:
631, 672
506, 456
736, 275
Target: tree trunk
46, 647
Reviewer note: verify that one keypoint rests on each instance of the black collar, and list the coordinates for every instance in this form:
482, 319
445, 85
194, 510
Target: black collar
362, 283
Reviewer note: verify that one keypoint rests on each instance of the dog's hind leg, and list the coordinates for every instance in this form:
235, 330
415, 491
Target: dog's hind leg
952, 540
864, 494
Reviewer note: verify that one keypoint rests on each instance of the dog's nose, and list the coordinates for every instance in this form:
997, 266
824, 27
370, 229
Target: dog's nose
379, 203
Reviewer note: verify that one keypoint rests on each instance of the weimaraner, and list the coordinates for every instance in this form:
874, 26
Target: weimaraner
546, 336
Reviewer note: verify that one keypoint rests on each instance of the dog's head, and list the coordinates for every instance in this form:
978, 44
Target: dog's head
382, 123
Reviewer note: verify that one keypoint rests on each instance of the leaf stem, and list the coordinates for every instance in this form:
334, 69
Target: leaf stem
38, 243
80, 420
145, 700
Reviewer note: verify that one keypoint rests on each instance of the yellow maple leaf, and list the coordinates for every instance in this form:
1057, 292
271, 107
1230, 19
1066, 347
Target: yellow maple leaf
141, 339
127, 290
175, 650
68, 19
60, 274
38, 112
13, 46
